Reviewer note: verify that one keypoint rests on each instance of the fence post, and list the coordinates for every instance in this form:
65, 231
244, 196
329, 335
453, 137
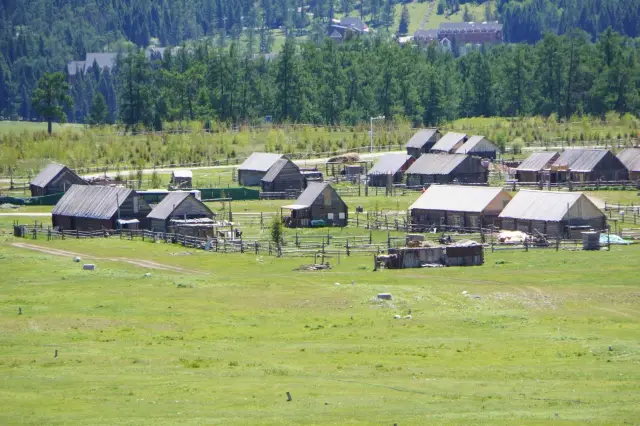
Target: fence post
347, 247
77, 234
256, 244
370, 237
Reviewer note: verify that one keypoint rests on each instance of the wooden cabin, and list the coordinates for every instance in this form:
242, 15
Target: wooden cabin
422, 142
479, 146
449, 143
551, 213
457, 206
536, 167
254, 168
446, 168
92, 208
630, 157
283, 176
318, 205
588, 165
180, 205
389, 169
182, 179
54, 179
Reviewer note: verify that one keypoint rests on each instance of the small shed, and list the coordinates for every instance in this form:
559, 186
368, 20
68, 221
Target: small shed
182, 179
479, 146
87, 208
536, 166
319, 204
458, 206
180, 205
449, 143
551, 213
284, 175
390, 168
422, 142
446, 168
588, 165
54, 179
254, 168
630, 157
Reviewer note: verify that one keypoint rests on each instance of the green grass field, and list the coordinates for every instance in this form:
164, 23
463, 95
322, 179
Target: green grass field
475, 10
544, 337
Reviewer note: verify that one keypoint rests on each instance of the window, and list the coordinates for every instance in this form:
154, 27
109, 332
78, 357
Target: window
341, 215
455, 220
330, 216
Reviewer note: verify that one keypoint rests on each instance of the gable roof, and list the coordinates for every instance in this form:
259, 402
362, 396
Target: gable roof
457, 198
353, 22
94, 202
420, 138
260, 161
581, 160
542, 205
630, 157
309, 195
104, 60
183, 173
436, 164
537, 161
426, 34
390, 164
448, 141
457, 27
473, 142
277, 167
47, 174
167, 206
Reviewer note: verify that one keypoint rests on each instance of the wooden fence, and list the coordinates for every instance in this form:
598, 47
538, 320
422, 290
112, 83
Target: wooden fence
573, 186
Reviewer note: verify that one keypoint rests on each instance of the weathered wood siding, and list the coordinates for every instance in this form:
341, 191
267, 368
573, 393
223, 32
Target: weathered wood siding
330, 208
60, 183
250, 177
289, 178
470, 170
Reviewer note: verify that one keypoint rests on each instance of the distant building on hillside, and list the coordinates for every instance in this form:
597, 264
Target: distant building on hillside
348, 27
459, 35
102, 60
54, 179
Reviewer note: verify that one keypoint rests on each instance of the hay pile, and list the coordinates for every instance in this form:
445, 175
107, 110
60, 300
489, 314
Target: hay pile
349, 157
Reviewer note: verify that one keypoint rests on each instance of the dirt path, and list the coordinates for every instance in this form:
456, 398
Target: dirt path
30, 214
148, 264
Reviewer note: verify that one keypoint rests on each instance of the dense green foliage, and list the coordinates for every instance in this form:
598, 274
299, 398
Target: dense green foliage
333, 84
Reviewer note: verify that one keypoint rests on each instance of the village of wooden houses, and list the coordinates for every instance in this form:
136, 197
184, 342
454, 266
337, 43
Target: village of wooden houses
457, 206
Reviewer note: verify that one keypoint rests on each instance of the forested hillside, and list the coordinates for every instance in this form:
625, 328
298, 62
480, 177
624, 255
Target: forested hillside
562, 75
38, 36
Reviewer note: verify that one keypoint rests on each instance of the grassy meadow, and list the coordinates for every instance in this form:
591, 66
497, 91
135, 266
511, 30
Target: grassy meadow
540, 337
25, 149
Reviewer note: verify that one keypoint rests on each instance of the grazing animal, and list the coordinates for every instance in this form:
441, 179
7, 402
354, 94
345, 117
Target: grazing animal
397, 317
408, 317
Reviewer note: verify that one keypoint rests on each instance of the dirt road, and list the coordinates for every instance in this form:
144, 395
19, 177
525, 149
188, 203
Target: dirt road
147, 264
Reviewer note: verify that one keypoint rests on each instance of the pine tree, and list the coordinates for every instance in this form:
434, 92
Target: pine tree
99, 110
50, 98
403, 27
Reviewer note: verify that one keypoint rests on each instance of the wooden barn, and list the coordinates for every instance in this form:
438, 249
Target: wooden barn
449, 143
254, 168
458, 206
182, 179
446, 168
389, 169
180, 205
318, 205
479, 146
630, 157
551, 213
91, 208
588, 165
422, 142
54, 179
283, 176
536, 167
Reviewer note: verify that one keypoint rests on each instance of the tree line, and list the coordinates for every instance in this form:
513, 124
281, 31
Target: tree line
349, 83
